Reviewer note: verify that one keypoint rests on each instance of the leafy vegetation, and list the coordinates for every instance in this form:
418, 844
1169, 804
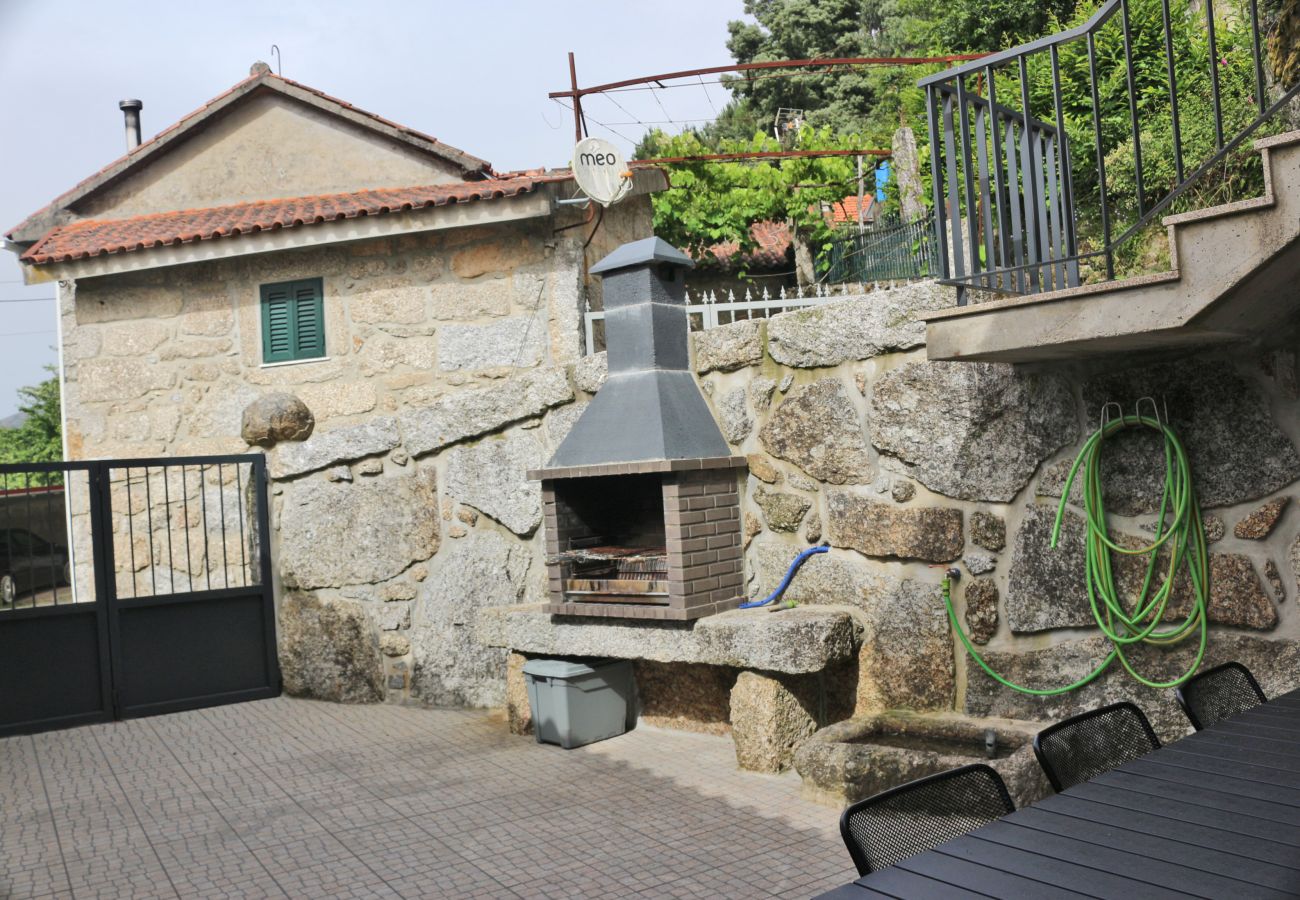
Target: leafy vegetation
710, 203
39, 438
862, 106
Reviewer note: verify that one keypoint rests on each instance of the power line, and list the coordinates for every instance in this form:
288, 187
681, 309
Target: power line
25, 333
25, 299
598, 122
708, 96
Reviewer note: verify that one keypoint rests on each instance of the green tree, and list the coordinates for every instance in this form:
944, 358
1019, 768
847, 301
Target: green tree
711, 202
39, 438
981, 26
871, 100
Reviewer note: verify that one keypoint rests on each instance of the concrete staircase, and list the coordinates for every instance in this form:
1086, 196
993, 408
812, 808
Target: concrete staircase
1235, 276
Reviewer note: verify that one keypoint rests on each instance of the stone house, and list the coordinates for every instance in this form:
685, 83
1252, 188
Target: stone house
409, 541
410, 300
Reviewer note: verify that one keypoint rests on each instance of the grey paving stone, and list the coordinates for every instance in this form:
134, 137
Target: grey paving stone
299, 798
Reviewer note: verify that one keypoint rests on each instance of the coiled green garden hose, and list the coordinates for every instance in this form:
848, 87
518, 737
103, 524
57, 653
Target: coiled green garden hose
1185, 537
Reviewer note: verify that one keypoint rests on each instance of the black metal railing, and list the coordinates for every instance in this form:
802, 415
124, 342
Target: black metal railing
185, 525
889, 250
161, 527
1017, 211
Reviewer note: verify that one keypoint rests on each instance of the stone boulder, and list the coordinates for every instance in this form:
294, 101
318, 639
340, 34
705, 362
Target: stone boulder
467, 414
276, 417
762, 468
981, 610
761, 390
684, 696
452, 667
988, 530
1275, 663
876, 528
1236, 451
329, 448
591, 371
1047, 588
1259, 524
517, 341
491, 476
728, 347
768, 722
830, 334
519, 713
816, 427
1293, 556
1214, 528
974, 431
1273, 575
781, 511
560, 421
907, 659
328, 650
363, 532
733, 416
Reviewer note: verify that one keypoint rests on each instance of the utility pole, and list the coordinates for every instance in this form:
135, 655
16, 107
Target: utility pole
861, 225
577, 100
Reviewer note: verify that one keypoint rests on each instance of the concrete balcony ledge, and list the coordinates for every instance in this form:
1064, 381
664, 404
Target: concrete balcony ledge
1232, 277
796, 641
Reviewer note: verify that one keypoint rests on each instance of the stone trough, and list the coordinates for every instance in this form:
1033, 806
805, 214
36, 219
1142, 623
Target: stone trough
854, 759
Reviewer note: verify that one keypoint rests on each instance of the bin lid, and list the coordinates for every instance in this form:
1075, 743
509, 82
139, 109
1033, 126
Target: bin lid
557, 668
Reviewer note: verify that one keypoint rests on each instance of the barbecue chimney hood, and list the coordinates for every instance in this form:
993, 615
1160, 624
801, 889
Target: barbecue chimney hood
649, 407
641, 500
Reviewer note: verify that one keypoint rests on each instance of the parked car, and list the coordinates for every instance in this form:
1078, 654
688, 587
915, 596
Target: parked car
29, 563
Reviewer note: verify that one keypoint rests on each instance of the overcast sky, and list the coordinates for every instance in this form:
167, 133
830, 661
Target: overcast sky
475, 75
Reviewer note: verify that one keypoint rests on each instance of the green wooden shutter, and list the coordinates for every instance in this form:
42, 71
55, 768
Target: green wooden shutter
309, 320
293, 322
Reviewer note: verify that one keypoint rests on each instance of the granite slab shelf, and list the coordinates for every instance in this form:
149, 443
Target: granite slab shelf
795, 641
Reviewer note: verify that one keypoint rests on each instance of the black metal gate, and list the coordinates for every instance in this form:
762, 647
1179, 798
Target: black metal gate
133, 587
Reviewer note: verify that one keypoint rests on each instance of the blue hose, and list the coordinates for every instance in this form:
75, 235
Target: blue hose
785, 582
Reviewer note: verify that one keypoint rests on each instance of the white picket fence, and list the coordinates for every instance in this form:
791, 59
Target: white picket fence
709, 309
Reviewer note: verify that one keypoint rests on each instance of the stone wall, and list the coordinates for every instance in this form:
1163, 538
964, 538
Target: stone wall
907, 467
399, 504
455, 364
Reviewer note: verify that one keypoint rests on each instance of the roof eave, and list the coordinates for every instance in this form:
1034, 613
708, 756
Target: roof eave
532, 204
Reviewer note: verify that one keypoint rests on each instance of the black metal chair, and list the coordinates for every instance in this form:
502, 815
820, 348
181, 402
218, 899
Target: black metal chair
1084, 746
920, 815
1216, 694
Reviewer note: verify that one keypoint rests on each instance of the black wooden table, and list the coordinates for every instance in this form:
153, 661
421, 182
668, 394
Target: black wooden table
1215, 814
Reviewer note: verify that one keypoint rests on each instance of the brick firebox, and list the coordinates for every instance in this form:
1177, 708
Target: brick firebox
659, 539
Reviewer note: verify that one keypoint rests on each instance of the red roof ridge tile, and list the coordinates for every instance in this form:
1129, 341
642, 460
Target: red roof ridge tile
94, 237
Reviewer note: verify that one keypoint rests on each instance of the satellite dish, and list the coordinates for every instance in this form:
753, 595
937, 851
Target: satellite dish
601, 171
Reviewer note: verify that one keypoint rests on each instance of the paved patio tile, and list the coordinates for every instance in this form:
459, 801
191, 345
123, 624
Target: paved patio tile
291, 798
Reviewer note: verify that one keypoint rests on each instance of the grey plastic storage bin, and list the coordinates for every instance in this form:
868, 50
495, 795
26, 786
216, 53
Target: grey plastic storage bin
576, 703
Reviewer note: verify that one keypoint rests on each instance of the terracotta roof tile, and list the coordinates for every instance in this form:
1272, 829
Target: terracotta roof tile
845, 211
88, 238
772, 250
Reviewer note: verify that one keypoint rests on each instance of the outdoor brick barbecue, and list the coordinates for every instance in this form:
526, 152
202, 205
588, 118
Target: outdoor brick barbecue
641, 500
